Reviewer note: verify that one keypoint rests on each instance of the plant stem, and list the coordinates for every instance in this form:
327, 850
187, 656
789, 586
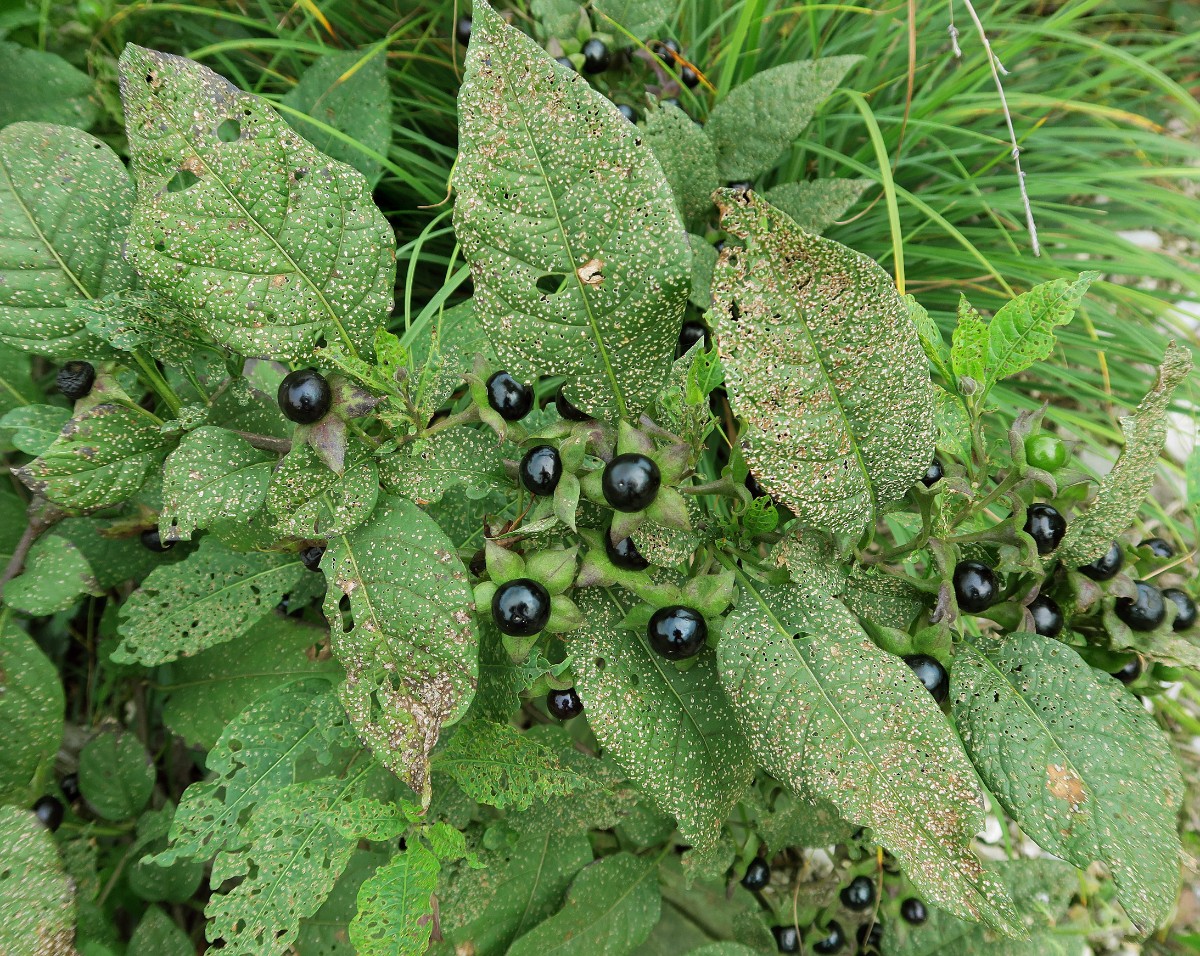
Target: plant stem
280, 446
161, 388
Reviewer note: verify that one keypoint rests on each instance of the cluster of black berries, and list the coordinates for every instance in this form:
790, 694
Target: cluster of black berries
670, 53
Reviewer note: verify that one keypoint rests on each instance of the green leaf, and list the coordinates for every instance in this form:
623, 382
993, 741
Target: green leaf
37, 912
113, 553
348, 93
100, 458
758, 120
327, 932
931, 339
44, 88
688, 161
395, 906
139, 319
293, 857
146, 878
823, 364
310, 501
260, 752
669, 729
816, 204
641, 18
55, 575
611, 908
969, 345
1022, 332
214, 475
31, 713
16, 383
408, 639
1126, 486
65, 203
837, 719
116, 776
237, 247
205, 692
34, 427
797, 820
553, 187
158, 935
499, 765
1064, 767
210, 598
458, 456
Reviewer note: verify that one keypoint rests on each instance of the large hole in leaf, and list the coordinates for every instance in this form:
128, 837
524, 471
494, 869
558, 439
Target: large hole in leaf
229, 131
182, 180
552, 283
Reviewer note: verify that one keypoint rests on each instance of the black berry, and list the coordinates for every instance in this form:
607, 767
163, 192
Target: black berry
754, 487
912, 910
49, 811
691, 333
933, 474
860, 893
1046, 526
564, 704
933, 675
565, 61
305, 396
69, 785
75, 379
628, 112
509, 398
596, 57
630, 482
677, 632
152, 540
870, 937
1105, 566
688, 77
787, 938
1130, 671
624, 554
1185, 615
975, 586
758, 874
567, 410
1145, 611
1047, 616
833, 941
521, 607
1159, 548
667, 50
311, 557
540, 470
462, 30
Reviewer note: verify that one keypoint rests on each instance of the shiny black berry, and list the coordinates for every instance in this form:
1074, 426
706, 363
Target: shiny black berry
688, 77
933, 474
677, 632
975, 586
1145, 611
1105, 566
567, 410
860, 893
75, 379
933, 675
1158, 548
1130, 671
912, 910
152, 540
310, 557
630, 482
870, 938
624, 554
49, 811
1185, 615
521, 607
627, 111
691, 333
565, 61
787, 938
462, 30
1047, 616
305, 396
509, 398
540, 470
758, 874
833, 941
667, 50
564, 704
1046, 526
69, 785
596, 58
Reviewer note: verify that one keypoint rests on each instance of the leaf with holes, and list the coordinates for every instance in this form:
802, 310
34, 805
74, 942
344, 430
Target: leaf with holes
307, 500
213, 596
816, 204
214, 475
31, 711
671, 730
837, 719
688, 161
65, 204
100, 458
37, 912
580, 263
1064, 766
823, 363
138, 319
469, 457
275, 245
395, 905
1123, 489
400, 611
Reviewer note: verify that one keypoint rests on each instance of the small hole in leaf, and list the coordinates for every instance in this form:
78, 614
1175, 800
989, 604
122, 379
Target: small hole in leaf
299, 174
634, 680
599, 663
552, 284
229, 131
183, 179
